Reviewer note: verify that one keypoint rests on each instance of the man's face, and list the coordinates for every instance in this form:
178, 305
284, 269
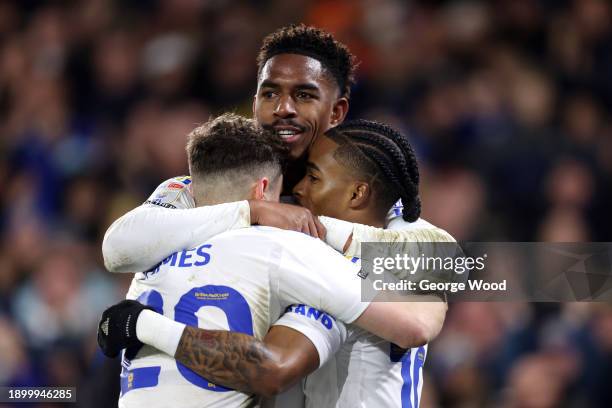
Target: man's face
296, 99
327, 187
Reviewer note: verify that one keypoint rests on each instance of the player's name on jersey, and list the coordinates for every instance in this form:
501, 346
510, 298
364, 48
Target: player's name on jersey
198, 256
326, 320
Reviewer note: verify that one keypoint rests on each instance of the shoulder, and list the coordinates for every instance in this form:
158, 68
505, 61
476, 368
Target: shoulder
173, 193
396, 222
291, 243
270, 234
421, 226
299, 241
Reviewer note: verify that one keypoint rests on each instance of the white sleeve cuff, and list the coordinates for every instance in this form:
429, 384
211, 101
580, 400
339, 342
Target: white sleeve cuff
325, 333
159, 331
338, 232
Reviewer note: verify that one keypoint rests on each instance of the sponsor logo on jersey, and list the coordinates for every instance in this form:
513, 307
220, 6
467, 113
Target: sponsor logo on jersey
212, 296
175, 186
326, 320
160, 203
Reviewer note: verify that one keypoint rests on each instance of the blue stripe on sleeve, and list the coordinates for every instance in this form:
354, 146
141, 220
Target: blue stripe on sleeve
418, 363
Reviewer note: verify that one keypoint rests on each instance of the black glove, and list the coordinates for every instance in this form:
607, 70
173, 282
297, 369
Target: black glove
117, 328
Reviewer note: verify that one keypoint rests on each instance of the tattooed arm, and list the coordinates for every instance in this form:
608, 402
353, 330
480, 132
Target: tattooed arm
242, 362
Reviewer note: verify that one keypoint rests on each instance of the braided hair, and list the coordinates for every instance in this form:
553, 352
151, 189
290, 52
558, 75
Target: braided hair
384, 156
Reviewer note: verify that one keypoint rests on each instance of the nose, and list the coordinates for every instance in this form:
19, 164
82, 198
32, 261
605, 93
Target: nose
285, 107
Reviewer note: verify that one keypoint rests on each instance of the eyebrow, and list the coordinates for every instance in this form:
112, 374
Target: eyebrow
312, 165
304, 86
268, 84
308, 87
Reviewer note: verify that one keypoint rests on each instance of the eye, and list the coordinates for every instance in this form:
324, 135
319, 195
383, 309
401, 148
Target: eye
312, 178
304, 95
268, 94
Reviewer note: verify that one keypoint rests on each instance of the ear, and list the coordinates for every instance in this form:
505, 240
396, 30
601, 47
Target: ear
360, 195
260, 188
339, 111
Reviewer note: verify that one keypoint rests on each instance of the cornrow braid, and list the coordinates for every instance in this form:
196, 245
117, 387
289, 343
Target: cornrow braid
385, 155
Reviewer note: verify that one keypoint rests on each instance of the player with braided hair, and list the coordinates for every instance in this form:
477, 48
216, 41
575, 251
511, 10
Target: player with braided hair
385, 155
355, 172
378, 160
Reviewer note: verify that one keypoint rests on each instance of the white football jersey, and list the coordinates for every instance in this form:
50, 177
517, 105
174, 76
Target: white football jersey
241, 280
368, 372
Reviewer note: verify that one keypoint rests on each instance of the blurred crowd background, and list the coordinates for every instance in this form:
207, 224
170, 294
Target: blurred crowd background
507, 103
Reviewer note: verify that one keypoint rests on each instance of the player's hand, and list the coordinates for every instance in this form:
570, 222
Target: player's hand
117, 327
286, 216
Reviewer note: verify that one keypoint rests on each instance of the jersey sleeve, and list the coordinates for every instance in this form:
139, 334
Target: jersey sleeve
164, 224
173, 193
324, 331
338, 232
398, 230
310, 272
427, 234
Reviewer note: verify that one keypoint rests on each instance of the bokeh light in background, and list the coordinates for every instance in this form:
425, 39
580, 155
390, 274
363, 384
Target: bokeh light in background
507, 103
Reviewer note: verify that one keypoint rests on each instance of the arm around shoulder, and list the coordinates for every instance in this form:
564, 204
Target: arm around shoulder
140, 239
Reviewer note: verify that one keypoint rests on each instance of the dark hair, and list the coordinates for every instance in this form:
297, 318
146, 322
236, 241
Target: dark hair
233, 142
315, 43
382, 154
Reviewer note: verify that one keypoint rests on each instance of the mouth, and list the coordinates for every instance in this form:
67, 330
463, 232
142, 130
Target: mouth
289, 134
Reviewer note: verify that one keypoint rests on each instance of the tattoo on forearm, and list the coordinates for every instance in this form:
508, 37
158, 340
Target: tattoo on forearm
230, 359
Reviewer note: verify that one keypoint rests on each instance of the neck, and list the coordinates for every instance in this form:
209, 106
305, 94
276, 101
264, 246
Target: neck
218, 195
202, 202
